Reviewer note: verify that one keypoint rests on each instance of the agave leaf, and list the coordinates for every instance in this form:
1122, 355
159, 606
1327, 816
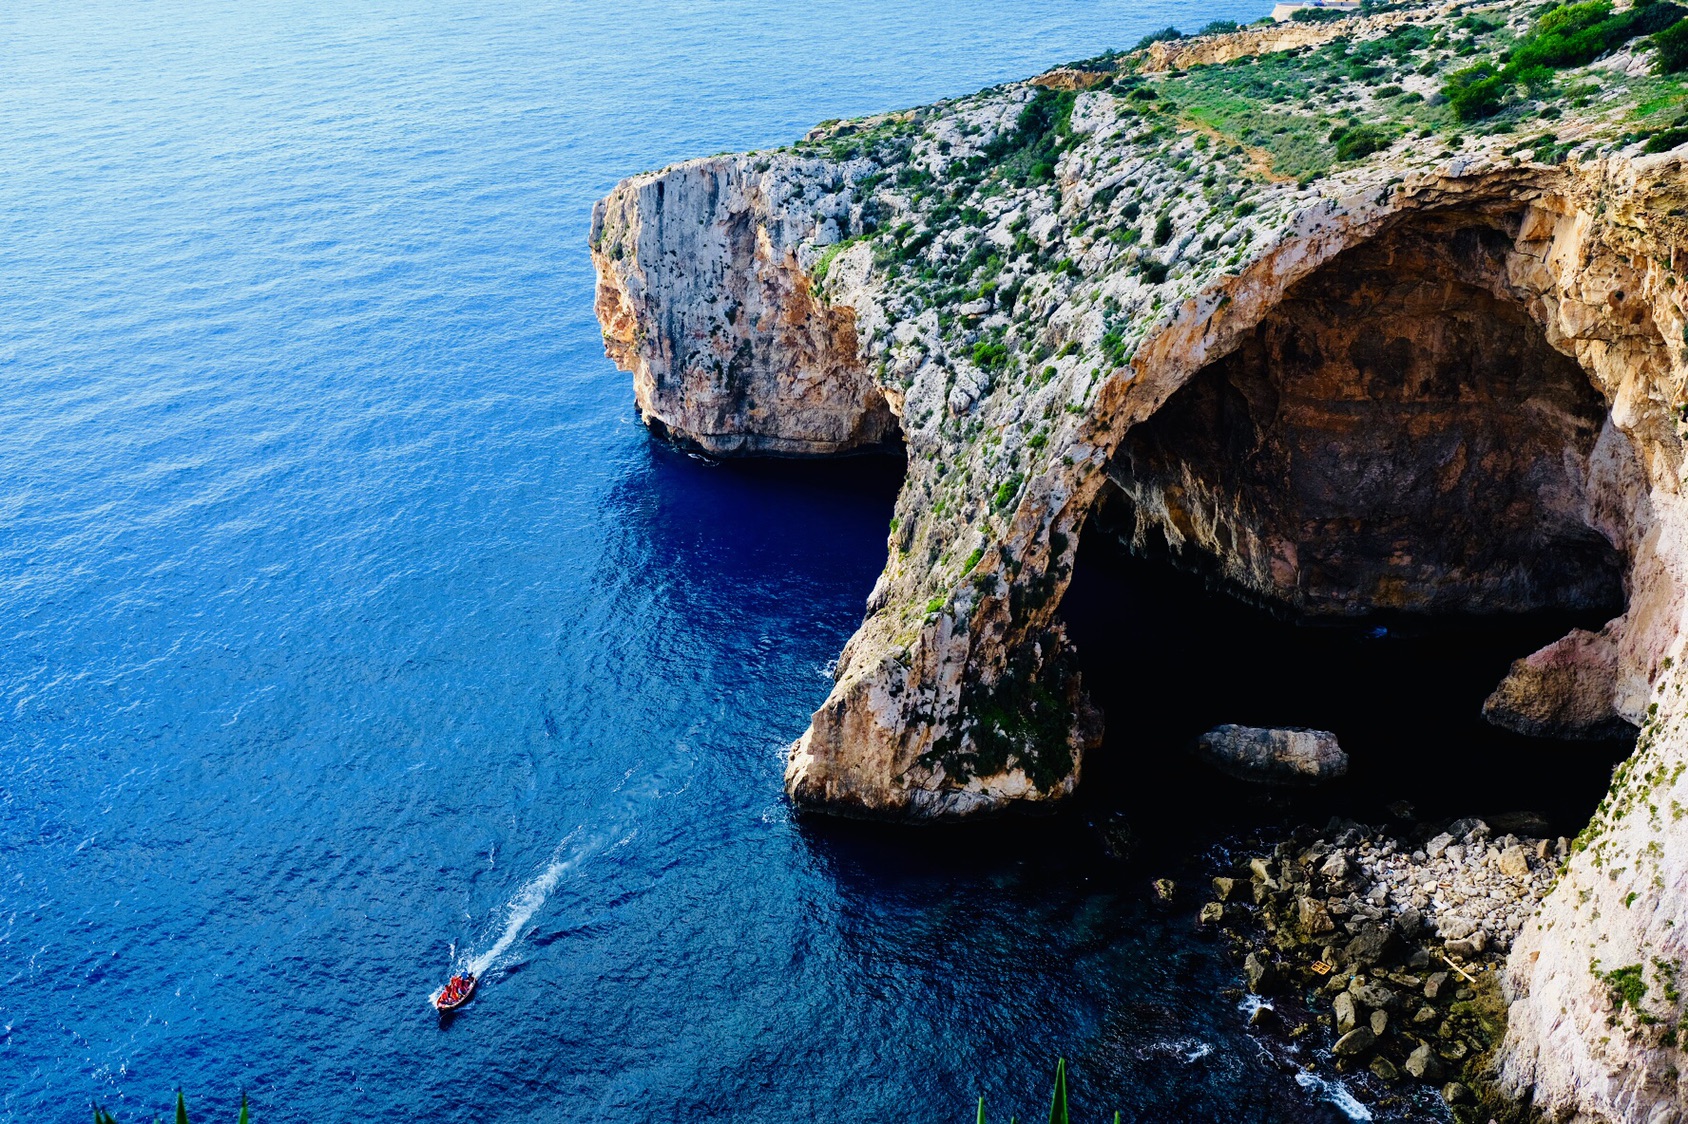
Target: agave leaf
181, 1108
1058, 1103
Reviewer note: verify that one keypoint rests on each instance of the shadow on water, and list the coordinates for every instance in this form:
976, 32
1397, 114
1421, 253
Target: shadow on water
1003, 944
1166, 659
1037, 908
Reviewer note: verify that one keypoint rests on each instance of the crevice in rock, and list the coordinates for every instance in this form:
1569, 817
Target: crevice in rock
1396, 435
1166, 656
1397, 440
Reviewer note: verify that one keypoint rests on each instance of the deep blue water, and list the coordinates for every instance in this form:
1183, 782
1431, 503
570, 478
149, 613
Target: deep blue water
351, 628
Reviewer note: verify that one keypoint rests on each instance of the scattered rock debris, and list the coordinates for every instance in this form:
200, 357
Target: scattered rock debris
1376, 953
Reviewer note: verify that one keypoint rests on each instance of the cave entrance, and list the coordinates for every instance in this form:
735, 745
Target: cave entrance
1355, 521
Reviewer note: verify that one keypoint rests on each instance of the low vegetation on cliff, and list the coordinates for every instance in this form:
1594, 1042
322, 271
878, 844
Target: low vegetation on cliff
1103, 283
1021, 244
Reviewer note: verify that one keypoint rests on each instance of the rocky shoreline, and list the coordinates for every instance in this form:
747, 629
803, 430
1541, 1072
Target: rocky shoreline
1378, 951
1346, 316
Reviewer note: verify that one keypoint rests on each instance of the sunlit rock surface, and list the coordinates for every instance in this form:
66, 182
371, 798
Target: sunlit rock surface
1415, 373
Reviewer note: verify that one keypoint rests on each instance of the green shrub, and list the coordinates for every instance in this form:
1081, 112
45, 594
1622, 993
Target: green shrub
1625, 986
1362, 140
1669, 138
1577, 34
1569, 35
1218, 27
1672, 43
1163, 230
1475, 92
1164, 35
990, 356
1315, 15
1027, 152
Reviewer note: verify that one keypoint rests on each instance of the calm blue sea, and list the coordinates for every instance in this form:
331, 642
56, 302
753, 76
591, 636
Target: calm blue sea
351, 628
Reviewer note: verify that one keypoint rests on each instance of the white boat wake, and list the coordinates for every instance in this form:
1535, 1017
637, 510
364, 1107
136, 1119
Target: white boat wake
532, 895
636, 790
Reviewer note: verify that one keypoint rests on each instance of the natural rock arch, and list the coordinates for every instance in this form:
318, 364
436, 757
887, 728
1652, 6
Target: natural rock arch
898, 735
957, 695
1396, 435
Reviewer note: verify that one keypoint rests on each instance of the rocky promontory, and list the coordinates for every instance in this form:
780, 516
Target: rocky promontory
1381, 314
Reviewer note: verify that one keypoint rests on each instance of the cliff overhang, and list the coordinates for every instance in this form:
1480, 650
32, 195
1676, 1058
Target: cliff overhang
1351, 353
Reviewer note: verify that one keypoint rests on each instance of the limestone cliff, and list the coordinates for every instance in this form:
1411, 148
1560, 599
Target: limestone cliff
1286, 313
701, 296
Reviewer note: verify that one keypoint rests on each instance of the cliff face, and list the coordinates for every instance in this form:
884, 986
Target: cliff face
1349, 366
1397, 433
701, 296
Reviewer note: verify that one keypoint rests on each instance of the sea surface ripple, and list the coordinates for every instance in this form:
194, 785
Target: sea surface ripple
352, 630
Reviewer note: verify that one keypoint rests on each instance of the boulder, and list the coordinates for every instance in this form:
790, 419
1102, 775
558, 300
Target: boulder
1384, 1070
1453, 927
1283, 755
1356, 1041
1347, 1016
1374, 943
1374, 995
1467, 947
1423, 1063
1566, 690
1313, 916
1470, 829
1257, 969
1514, 863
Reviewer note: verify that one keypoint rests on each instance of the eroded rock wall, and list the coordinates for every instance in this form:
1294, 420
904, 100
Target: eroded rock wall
1397, 434
702, 298
1021, 305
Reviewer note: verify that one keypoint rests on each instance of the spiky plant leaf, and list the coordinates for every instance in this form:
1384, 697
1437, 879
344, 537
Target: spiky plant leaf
1058, 1103
181, 1108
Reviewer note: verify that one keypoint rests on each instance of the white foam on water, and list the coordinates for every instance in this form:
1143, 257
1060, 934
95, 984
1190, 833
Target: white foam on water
637, 789
528, 900
1335, 1094
1188, 1049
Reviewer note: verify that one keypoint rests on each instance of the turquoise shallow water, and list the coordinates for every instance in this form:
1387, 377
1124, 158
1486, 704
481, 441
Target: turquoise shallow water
352, 629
